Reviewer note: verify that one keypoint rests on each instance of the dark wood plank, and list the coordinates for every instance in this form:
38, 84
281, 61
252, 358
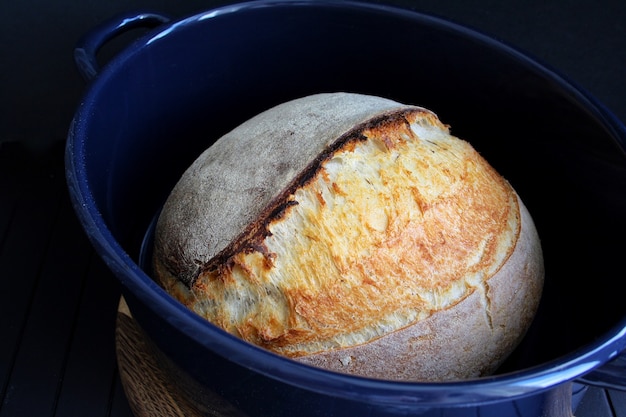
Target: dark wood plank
37, 186
119, 405
89, 382
618, 402
58, 320
39, 364
594, 404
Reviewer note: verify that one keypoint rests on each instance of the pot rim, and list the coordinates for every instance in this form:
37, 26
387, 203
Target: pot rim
134, 279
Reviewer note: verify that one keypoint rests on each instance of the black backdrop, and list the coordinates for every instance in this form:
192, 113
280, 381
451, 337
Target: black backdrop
40, 87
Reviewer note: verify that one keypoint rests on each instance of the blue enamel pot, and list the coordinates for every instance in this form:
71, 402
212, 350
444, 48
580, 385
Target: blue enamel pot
150, 111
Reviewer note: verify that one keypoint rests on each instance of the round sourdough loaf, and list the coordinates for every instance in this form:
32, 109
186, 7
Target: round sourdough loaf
354, 233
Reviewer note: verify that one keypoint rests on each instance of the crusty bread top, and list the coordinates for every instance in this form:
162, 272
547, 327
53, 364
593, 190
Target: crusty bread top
307, 247
469, 340
239, 178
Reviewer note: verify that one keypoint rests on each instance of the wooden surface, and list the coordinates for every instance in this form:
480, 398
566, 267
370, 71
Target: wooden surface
147, 388
58, 301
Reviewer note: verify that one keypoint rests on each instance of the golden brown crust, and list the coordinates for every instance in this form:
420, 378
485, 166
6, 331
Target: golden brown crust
392, 243
481, 330
219, 200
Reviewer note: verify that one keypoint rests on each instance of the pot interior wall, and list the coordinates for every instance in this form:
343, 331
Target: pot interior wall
162, 102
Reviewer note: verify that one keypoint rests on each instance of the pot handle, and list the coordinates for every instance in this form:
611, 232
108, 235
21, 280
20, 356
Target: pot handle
611, 375
88, 46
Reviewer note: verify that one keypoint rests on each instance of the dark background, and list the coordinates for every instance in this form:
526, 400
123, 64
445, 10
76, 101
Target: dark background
39, 86
57, 300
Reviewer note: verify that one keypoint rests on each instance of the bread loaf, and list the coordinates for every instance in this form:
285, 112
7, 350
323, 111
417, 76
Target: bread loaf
354, 233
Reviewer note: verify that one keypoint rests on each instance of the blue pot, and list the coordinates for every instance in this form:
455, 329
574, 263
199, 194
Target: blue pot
156, 105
